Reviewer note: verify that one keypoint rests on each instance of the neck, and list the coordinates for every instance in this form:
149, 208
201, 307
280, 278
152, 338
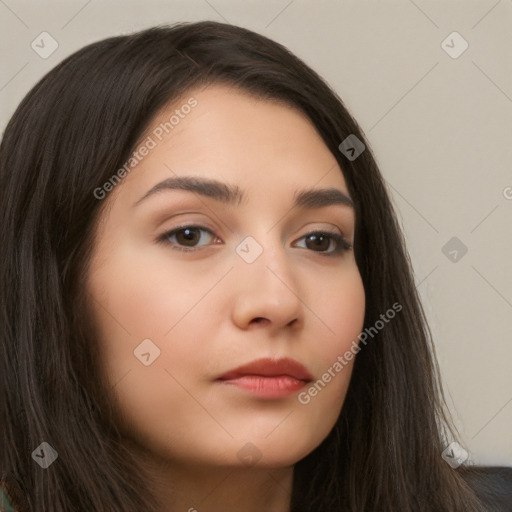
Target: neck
219, 489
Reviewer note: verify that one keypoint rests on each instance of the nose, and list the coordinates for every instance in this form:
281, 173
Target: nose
267, 293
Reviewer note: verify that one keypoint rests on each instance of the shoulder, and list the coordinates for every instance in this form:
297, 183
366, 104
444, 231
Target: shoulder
492, 485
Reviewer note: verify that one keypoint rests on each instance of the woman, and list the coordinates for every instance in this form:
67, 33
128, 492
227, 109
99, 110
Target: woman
207, 302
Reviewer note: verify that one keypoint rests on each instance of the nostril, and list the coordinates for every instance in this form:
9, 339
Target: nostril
260, 320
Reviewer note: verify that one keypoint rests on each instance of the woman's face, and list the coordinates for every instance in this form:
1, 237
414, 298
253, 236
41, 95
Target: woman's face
252, 279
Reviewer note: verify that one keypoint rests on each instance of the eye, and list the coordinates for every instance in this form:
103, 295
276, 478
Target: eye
325, 242
187, 238
191, 237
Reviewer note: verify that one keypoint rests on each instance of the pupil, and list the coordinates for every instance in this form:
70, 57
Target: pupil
188, 235
319, 242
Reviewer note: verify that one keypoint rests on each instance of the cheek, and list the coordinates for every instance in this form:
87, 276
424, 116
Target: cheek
154, 401
143, 293
341, 309
140, 297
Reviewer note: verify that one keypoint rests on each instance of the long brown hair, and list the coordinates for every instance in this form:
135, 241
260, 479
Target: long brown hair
68, 137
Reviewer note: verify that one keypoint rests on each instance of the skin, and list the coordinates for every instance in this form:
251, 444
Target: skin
209, 311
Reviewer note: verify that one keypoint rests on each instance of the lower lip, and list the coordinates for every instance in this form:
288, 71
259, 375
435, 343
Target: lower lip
267, 387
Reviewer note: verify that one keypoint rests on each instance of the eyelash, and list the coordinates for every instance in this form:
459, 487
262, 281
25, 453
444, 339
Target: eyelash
341, 243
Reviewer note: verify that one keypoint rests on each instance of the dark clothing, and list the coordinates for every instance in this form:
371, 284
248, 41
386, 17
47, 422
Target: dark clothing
493, 485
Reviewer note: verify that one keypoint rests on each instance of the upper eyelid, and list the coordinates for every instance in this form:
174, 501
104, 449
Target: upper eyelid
343, 216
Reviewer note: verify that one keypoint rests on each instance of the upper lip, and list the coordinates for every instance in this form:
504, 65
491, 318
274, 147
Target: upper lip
267, 367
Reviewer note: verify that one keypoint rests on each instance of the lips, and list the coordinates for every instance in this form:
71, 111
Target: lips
269, 368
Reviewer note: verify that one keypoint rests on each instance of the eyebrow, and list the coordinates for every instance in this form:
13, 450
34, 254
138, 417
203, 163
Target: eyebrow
232, 194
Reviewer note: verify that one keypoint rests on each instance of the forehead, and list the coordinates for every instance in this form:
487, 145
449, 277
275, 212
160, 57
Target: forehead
261, 145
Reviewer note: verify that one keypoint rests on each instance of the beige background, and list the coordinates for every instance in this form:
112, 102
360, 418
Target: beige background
441, 129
